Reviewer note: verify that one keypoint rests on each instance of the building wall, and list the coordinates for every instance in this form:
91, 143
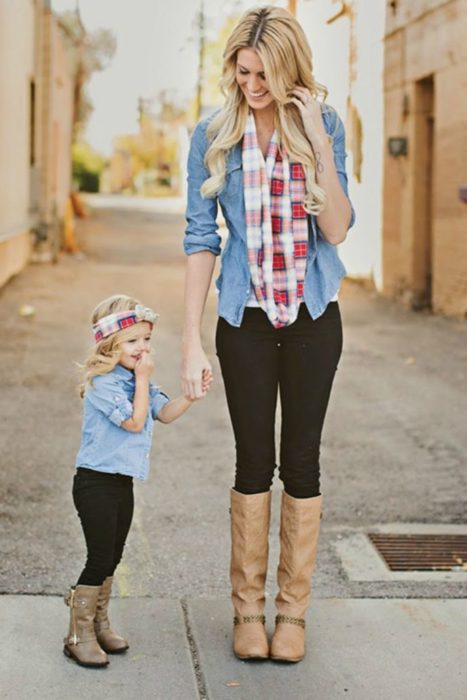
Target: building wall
35, 132
425, 222
57, 121
348, 60
17, 65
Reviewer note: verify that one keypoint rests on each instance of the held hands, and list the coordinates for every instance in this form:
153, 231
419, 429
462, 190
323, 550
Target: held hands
196, 374
310, 112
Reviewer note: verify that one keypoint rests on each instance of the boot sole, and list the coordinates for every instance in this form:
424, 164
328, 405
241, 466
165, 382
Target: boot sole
115, 651
70, 655
252, 658
284, 660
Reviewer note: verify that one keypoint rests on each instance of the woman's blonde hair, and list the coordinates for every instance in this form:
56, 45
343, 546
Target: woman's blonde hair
105, 354
284, 50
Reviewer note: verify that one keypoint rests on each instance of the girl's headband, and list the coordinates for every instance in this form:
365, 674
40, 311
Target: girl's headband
108, 325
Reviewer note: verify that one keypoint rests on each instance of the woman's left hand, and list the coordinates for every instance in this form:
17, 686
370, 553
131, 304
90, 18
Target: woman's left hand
310, 111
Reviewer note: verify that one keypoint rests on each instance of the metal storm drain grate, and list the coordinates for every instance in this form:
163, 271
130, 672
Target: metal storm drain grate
422, 552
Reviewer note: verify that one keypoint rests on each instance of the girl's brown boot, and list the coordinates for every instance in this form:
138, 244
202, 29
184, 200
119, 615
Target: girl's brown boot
110, 642
81, 643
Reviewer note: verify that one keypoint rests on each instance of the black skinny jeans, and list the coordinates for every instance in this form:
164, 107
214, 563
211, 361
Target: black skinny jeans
105, 506
300, 361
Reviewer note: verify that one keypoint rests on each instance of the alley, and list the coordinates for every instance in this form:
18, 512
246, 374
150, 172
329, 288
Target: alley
393, 456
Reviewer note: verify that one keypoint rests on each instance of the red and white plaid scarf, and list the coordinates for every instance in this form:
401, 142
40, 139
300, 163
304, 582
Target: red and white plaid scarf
277, 227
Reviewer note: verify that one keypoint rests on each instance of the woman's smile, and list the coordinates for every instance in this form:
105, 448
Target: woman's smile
252, 79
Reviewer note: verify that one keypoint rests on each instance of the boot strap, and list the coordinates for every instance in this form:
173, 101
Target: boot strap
241, 619
290, 620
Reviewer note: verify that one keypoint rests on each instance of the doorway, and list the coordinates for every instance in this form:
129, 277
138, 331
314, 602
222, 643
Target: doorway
423, 191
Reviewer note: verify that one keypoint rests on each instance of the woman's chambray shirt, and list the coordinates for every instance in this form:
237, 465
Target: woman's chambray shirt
324, 268
105, 446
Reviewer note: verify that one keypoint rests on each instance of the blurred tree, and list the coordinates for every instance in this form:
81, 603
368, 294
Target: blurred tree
153, 152
208, 95
87, 167
91, 52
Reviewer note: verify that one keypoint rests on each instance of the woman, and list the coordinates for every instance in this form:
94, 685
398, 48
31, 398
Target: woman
274, 159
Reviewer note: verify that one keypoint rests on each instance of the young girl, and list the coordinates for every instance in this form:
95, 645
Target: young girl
120, 407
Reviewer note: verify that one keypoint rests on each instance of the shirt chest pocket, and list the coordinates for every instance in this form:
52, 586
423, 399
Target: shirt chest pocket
233, 182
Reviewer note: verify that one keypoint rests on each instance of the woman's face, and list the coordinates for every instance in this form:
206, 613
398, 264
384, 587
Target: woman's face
251, 79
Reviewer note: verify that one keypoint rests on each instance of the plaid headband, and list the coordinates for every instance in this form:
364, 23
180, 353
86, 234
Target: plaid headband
122, 319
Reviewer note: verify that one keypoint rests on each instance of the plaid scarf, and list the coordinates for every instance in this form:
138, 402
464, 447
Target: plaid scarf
277, 227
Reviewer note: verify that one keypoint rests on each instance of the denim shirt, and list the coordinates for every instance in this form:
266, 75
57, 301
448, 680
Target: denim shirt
324, 268
105, 445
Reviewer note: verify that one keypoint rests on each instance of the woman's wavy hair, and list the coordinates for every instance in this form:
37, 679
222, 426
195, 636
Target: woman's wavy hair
105, 354
284, 50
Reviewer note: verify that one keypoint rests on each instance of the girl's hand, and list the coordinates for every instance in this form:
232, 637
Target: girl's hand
144, 366
206, 380
196, 373
310, 112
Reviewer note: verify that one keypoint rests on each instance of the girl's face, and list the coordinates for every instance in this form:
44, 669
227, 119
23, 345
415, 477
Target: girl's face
251, 79
131, 350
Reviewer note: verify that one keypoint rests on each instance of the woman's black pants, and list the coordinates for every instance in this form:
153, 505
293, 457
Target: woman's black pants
105, 506
299, 361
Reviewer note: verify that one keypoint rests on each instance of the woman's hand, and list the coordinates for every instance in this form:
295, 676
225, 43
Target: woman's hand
196, 373
310, 112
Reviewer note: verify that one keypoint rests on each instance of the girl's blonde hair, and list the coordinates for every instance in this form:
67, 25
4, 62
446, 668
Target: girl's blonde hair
284, 50
106, 353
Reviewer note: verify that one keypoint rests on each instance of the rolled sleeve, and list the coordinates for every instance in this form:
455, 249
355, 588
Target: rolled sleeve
109, 398
338, 147
201, 232
157, 399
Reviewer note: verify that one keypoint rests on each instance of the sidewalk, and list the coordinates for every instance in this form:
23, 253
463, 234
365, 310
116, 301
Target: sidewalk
360, 649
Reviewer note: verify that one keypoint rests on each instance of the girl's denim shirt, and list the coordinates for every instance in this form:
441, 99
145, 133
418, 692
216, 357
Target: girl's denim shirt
105, 445
324, 268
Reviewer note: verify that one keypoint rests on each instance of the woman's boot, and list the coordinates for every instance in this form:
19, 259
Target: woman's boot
300, 523
250, 515
81, 643
110, 642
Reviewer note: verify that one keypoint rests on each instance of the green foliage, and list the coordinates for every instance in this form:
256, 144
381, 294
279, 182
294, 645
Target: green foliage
87, 167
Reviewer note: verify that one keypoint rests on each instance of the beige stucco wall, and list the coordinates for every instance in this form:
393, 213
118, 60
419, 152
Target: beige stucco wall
55, 121
426, 38
31, 49
17, 59
348, 60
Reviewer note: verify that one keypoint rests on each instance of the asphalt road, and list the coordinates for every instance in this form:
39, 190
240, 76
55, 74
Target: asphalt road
394, 449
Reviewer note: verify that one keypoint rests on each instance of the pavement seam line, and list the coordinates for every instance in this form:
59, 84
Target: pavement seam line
200, 681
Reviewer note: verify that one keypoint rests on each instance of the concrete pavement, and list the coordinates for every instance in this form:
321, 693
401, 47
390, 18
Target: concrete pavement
181, 650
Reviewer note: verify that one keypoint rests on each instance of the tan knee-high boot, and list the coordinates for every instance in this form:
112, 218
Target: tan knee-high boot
81, 643
250, 515
299, 532
110, 642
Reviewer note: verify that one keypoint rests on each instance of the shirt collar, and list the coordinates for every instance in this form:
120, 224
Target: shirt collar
124, 373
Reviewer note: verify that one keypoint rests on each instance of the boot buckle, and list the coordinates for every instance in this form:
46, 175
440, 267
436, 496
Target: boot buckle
288, 620
241, 619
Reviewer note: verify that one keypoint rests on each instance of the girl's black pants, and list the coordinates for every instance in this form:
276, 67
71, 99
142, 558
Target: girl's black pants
105, 506
298, 362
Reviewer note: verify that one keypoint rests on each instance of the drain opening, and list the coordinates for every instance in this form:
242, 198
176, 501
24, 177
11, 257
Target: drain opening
422, 552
